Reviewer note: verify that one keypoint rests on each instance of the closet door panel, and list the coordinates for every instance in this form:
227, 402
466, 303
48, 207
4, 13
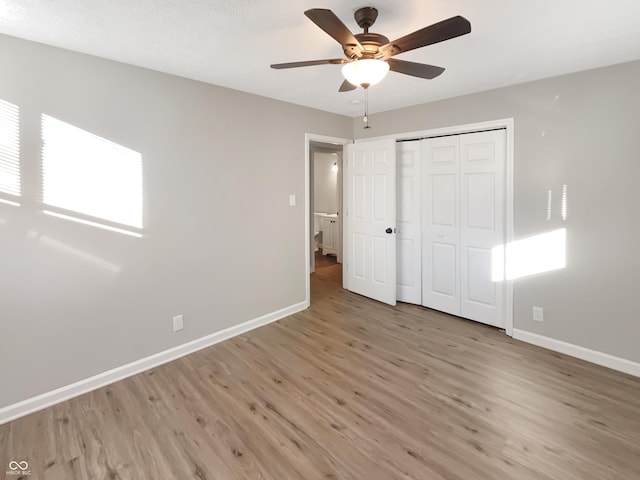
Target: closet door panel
482, 164
440, 224
443, 200
444, 270
479, 201
480, 288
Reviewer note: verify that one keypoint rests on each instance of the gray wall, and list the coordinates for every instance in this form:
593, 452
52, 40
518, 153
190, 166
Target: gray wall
580, 130
325, 183
218, 168
221, 243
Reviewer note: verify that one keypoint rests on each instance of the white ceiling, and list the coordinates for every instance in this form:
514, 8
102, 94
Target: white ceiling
231, 43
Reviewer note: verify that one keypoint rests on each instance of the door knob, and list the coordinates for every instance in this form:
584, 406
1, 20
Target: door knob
389, 230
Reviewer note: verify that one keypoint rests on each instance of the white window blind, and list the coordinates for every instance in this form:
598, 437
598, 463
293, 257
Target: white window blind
9, 148
89, 175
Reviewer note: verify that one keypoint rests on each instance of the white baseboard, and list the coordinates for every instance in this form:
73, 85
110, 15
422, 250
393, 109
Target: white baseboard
39, 402
593, 356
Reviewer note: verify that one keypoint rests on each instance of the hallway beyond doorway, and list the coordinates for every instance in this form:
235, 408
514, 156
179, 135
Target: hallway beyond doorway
328, 269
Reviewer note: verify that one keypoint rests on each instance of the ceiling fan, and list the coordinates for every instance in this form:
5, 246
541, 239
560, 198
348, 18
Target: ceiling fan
369, 55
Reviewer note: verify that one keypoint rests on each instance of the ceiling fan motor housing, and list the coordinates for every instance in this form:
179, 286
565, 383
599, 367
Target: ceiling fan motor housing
371, 42
365, 17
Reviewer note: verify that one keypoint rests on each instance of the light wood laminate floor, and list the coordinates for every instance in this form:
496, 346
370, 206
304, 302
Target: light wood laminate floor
348, 389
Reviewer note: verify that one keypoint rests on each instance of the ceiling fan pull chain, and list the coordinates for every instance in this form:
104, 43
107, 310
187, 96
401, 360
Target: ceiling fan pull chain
365, 119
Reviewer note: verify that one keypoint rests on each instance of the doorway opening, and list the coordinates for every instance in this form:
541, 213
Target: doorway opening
324, 210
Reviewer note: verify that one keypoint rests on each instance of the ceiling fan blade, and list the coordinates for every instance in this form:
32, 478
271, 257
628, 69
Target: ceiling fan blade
347, 86
309, 63
333, 26
414, 69
438, 32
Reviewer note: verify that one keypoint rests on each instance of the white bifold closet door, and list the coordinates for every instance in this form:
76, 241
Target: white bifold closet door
463, 230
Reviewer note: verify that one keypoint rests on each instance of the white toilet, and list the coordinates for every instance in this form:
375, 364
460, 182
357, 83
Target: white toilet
317, 232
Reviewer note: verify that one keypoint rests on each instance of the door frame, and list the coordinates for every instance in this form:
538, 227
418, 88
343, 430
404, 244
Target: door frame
508, 125
308, 138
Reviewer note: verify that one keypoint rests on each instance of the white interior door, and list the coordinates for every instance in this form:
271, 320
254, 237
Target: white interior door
408, 245
371, 220
482, 177
441, 224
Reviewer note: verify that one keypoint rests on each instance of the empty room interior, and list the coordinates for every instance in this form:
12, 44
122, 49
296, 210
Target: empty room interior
331, 240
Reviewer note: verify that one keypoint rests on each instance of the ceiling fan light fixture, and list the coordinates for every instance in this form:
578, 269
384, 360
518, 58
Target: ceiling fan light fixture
363, 73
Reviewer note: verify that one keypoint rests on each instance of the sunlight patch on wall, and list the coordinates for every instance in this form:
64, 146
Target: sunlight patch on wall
530, 256
90, 179
93, 224
73, 252
9, 151
79, 254
9, 202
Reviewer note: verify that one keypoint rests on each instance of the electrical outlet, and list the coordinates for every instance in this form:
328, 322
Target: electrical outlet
178, 323
538, 314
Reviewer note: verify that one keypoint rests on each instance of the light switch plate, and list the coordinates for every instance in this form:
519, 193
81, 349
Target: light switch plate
292, 200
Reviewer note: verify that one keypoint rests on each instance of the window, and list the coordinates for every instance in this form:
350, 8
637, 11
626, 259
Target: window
9, 151
90, 179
